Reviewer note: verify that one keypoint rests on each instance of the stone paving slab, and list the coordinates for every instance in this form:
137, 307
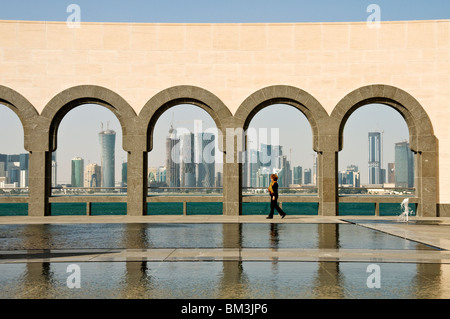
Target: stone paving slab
224, 254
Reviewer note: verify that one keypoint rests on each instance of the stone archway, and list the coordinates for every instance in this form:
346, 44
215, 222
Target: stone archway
45, 135
318, 119
185, 94
25, 111
422, 139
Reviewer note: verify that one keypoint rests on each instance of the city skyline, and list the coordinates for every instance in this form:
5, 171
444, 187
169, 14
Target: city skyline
77, 135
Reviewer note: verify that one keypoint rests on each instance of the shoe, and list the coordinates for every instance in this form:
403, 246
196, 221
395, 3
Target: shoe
268, 217
284, 215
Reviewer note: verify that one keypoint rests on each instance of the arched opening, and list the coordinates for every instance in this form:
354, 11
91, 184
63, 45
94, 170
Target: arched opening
376, 160
422, 142
279, 140
89, 160
299, 102
14, 164
185, 162
68, 103
208, 107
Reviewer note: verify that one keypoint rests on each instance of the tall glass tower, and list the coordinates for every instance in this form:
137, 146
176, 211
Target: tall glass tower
77, 179
108, 142
374, 158
404, 165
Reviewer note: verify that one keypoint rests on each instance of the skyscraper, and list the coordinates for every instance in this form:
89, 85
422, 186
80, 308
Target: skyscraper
391, 173
374, 162
172, 159
298, 175
77, 172
93, 175
108, 144
187, 174
54, 170
205, 168
404, 165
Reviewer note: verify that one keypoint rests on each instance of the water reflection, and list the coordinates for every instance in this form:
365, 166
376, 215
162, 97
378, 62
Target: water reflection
234, 235
214, 279
227, 279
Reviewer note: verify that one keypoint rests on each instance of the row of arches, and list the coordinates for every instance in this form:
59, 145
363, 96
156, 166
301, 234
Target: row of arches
40, 135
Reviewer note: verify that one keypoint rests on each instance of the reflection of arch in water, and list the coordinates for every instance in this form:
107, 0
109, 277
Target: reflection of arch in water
422, 139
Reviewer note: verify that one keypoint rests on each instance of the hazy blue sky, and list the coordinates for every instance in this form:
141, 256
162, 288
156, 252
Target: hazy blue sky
83, 123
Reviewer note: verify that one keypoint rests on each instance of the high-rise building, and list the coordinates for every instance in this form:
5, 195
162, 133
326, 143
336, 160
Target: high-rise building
307, 176
297, 178
161, 174
250, 167
108, 144
54, 170
374, 162
391, 173
172, 159
14, 169
187, 168
205, 168
404, 165
77, 172
93, 175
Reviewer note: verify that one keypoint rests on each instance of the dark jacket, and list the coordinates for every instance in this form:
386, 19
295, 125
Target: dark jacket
275, 191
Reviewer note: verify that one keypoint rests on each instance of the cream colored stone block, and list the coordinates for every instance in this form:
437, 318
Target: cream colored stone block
253, 37
16, 55
144, 37
8, 31
308, 36
226, 37
88, 69
335, 36
186, 56
116, 69
280, 37
102, 56
171, 37
59, 36
363, 38
393, 35
117, 37
160, 57
60, 69
199, 37
142, 70
211, 57
421, 35
174, 70
89, 36
199, 70
9, 68
31, 35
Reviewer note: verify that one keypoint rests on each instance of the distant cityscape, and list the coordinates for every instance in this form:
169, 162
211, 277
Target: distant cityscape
190, 162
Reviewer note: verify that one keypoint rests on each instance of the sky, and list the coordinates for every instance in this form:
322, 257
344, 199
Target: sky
78, 133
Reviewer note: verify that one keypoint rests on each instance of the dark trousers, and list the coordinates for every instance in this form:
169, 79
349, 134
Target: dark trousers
273, 206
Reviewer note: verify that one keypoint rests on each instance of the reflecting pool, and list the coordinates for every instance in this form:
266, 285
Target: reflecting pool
215, 279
